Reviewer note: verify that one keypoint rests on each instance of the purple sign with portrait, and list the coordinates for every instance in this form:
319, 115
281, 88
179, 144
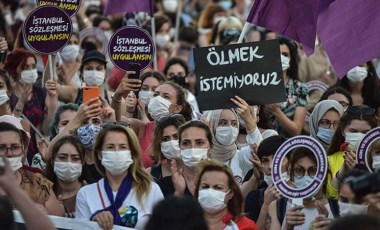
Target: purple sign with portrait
322, 165
69, 6
131, 44
47, 29
362, 152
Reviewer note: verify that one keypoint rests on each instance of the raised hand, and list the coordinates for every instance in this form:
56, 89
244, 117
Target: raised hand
108, 113
51, 87
294, 217
177, 179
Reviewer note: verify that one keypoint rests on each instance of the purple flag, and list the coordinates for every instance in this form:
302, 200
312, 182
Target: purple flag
294, 19
349, 31
126, 6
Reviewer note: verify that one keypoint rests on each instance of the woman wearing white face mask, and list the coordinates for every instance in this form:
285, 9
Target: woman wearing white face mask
5, 92
195, 141
363, 84
165, 147
374, 155
225, 128
137, 107
93, 73
352, 127
302, 171
68, 72
289, 117
13, 142
324, 120
27, 98
220, 197
65, 170
126, 195
168, 98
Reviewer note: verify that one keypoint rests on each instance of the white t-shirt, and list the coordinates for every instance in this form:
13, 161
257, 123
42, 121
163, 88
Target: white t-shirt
310, 214
89, 201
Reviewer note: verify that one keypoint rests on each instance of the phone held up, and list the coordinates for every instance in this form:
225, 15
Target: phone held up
136, 68
90, 92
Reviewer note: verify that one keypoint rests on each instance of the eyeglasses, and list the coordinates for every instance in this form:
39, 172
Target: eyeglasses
344, 104
300, 171
228, 35
15, 149
359, 109
174, 117
122, 123
324, 123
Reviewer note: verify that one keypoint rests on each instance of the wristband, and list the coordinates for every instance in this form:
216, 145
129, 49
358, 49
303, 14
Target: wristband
113, 99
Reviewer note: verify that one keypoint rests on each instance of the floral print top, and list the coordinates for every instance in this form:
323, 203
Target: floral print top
296, 96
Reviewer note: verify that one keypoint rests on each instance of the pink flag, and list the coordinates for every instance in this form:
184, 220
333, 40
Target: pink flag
127, 6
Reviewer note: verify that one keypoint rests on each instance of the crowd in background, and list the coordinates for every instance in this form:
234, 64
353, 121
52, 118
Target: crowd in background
143, 155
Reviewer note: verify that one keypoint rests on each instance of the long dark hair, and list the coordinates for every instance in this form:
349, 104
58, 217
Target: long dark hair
345, 120
49, 170
370, 91
293, 65
181, 100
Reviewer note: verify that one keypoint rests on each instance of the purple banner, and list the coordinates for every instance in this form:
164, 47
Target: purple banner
47, 29
71, 7
131, 44
322, 165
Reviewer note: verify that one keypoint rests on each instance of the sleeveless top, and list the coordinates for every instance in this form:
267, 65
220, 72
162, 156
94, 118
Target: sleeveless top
79, 99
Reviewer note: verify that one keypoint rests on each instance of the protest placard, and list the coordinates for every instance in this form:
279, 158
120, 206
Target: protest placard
250, 70
322, 166
131, 44
71, 7
363, 153
47, 29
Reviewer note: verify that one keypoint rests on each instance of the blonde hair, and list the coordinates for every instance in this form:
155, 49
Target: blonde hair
230, 22
141, 179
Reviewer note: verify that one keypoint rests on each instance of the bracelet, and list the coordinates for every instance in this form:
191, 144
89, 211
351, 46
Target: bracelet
113, 99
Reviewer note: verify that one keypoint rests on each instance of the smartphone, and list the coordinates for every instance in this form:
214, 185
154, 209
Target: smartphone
90, 92
137, 68
134, 67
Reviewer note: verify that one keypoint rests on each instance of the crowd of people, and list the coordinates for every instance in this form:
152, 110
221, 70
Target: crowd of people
144, 155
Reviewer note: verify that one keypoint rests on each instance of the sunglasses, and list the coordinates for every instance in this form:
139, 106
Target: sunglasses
174, 117
122, 123
361, 110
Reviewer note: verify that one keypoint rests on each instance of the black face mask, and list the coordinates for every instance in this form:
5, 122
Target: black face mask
180, 80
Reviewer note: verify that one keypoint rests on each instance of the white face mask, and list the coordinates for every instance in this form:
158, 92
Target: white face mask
354, 139
226, 135
211, 200
117, 162
93, 77
347, 209
3, 96
302, 182
171, 149
146, 96
192, 157
170, 6
70, 52
376, 162
285, 62
60, 129
67, 171
29, 76
158, 106
268, 180
162, 40
357, 74
15, 163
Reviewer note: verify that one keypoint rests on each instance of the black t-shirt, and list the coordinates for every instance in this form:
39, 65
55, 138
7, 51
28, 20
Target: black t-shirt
253, 203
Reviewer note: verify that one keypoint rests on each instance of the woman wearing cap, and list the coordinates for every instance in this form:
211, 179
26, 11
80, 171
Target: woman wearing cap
37, 104
93, 73
13, 144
